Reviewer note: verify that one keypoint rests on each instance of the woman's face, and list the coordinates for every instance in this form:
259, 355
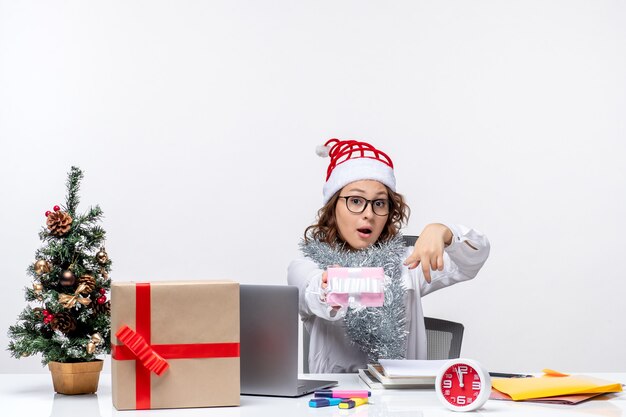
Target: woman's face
361, 230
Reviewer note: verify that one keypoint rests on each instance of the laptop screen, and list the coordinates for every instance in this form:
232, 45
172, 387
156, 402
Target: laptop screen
269, 342
269, 339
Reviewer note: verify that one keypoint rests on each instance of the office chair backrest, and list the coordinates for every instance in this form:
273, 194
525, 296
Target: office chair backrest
443, 337
409, 240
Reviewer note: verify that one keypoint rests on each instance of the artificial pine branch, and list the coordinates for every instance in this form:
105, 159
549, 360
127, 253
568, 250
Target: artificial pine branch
73, 185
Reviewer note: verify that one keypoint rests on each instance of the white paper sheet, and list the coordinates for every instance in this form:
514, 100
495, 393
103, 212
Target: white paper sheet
395, 368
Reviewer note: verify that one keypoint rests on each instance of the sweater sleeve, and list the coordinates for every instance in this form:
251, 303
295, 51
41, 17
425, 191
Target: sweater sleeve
305, 274
461, 261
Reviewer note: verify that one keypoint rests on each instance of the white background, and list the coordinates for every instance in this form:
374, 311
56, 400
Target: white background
196, 122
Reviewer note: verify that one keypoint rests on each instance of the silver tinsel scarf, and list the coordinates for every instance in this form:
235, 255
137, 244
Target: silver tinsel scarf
380, 332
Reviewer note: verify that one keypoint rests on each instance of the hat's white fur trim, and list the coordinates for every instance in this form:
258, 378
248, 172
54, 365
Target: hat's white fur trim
355, 170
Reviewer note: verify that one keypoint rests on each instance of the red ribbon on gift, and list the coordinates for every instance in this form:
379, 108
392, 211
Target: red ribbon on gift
151, 358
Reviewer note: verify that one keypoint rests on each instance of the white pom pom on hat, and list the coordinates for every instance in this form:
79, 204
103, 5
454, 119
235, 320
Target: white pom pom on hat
322, 151
351, 161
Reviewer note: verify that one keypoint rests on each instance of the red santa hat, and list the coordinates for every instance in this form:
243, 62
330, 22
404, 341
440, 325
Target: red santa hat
350, 161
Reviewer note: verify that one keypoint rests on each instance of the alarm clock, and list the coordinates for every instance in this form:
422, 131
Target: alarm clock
463, 385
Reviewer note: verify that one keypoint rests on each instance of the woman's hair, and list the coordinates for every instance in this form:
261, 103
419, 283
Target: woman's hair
325, 230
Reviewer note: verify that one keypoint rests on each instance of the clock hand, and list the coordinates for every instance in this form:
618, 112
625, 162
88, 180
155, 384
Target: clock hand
459, 375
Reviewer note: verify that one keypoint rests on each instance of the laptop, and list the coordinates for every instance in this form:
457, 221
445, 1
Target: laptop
269, 343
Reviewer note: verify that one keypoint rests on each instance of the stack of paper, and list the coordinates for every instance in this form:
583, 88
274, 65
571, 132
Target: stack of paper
401, 373
553, 387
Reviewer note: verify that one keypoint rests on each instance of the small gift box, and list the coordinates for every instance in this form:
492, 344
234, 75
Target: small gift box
176, 344
356, 287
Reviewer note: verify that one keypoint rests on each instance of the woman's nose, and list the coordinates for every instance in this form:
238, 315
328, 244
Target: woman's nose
369, 210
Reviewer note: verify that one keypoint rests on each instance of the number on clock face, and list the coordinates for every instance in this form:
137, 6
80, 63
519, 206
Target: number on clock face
460, 385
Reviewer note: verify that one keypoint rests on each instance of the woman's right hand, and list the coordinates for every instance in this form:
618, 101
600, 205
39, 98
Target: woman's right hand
324, 280
325, 277
324, 287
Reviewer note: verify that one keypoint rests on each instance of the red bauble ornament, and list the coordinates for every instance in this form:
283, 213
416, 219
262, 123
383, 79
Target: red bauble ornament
48, 213
56, 208
102, 291
48, 319
45, 313
102, 299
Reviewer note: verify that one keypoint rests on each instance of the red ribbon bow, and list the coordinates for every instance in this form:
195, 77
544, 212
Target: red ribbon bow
142, 350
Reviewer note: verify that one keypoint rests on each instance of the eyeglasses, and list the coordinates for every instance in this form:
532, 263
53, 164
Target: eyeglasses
356, 204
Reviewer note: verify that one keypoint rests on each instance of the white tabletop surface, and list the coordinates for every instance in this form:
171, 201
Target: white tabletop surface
28, 395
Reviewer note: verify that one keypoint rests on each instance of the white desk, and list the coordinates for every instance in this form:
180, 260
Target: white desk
31, 395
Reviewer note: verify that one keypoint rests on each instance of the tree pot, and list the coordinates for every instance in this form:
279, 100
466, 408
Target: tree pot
75, 378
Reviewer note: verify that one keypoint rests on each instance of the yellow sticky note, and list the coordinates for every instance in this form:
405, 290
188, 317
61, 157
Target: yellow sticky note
546, 386
552, 372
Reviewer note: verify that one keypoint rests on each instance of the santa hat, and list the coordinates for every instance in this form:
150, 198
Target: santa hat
350, 161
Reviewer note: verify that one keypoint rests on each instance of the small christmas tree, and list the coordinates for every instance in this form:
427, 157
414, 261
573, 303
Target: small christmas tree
71, 320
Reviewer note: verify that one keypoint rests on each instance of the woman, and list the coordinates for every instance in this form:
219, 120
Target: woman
358, 226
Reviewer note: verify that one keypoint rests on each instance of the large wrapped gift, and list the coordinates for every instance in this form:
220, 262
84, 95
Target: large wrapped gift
176, 344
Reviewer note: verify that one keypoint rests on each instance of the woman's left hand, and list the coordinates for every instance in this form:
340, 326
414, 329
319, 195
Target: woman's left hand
428, 249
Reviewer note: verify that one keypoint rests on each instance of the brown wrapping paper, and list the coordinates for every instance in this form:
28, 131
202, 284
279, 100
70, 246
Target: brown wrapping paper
182, 312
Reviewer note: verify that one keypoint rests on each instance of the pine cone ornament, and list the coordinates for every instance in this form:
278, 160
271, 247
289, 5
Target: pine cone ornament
63, 322
59, 223
89, 282
101, 308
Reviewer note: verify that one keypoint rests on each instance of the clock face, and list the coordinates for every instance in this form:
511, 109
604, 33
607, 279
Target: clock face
463, 385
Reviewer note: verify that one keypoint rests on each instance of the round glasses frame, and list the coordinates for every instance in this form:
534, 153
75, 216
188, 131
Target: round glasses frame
375, 208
